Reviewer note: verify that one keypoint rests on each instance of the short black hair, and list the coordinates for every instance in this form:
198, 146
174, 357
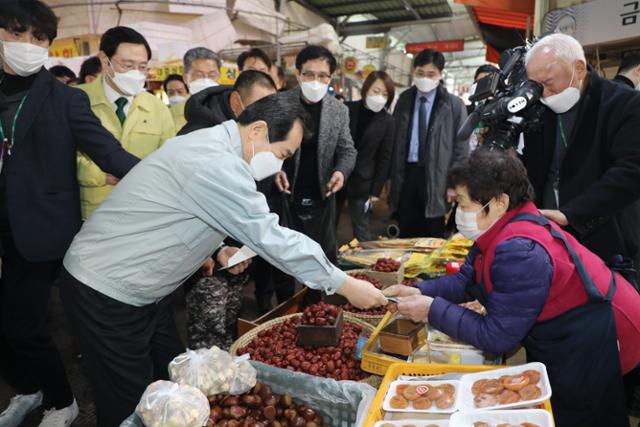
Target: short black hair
388, 85
253, 53
312, 52
280, 111
113, 37
628, 62
90, 67
25, 15
171, 78
247, 79
485, 68
488, 173
429, 56
62, 71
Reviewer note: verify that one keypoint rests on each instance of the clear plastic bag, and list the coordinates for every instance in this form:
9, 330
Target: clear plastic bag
212, 371
167, 404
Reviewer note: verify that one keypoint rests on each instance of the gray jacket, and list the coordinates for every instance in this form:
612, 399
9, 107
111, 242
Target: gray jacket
444, 148
336, 151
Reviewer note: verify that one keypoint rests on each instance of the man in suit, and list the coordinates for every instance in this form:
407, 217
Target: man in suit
139, 120
326, 157
427, 121
629, 71
44, 123
585, 162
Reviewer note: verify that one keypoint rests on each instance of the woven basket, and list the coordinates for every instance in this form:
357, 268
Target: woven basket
244, 340
371, 319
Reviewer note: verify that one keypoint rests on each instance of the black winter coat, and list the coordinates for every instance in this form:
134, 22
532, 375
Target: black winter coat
600, 173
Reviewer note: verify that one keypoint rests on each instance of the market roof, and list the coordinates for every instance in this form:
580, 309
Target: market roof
381, 13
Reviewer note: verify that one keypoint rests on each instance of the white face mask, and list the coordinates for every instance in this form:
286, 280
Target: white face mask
130, 83
375, 103
425, 84
176, 99
200, 85
562, 102
314, 90
24, 59
467, 223
264, 164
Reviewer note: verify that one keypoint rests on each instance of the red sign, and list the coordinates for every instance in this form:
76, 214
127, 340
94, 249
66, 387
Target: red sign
441, 46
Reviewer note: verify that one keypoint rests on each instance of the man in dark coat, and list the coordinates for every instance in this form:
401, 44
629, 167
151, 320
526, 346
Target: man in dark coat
585, 162
427, 121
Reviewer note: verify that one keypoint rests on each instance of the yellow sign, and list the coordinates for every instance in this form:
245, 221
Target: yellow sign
64, 48
161, 73
228, 75
375, 42
350, 64
367, 69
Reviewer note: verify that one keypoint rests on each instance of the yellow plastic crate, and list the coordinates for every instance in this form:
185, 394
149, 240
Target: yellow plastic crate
378, 363
376, 413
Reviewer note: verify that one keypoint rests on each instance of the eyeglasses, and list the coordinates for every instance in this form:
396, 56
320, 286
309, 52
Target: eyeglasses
130, 65
310, 76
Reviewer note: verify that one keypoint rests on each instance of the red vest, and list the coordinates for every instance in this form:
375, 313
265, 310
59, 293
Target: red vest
567, 291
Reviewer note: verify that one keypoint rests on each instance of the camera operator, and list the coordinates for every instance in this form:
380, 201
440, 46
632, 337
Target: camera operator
585, 162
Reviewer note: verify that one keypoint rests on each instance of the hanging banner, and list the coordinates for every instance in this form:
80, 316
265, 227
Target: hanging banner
161, 73
350, 64
600, 21
64, 48
228, 75
375, 42
440, 46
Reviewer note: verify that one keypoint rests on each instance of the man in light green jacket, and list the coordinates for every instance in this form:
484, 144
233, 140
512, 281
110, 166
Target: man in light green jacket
139, 120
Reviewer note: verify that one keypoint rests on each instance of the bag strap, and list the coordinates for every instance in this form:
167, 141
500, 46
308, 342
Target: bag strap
590, 288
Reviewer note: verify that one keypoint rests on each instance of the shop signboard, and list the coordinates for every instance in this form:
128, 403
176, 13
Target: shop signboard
596, 22
440, 46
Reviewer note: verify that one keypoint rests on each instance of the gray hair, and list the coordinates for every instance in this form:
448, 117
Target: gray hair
199, 53
564, 47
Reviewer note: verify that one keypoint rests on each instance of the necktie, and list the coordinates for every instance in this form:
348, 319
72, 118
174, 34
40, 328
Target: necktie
120, 103
422, 129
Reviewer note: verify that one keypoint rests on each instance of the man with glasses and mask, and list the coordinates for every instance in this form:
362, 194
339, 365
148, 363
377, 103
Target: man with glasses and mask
326, 158
139, 120
43, 123
427, 122
585, 162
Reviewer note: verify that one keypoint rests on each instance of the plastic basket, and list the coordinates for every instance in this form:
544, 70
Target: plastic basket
376, 413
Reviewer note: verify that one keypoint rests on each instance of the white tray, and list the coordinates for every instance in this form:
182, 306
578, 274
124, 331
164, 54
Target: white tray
536, 416
433, 410
417, 423
466, 395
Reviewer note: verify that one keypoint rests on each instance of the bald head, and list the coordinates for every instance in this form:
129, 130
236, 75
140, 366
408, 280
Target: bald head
557, 62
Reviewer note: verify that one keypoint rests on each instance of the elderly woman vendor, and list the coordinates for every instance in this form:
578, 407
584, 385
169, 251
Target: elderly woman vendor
541, 289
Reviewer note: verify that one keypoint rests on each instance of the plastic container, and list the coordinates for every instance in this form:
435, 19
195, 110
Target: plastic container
433, 410
412, 422
377, 413
466, 402
536, 416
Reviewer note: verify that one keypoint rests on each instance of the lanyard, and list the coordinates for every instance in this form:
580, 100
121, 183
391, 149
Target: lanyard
6, 143
562, 134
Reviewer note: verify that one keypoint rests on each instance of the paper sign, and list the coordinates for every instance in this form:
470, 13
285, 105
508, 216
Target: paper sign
242, 255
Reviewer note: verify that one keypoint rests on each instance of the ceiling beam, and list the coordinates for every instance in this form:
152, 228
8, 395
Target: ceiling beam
339, 10
373, 27
314, 9
410, 9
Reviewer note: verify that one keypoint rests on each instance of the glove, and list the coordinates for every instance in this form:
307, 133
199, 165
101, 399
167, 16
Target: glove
361, 293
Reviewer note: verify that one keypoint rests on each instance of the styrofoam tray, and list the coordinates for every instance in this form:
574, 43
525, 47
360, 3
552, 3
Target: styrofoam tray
433, 410
412, 422
466, 395
467, 418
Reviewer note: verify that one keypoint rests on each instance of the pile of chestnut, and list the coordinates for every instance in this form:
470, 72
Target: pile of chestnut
386, 265
260, 408
320, 314
278, 347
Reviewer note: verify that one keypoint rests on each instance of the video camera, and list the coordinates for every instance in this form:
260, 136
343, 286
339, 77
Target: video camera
506, 103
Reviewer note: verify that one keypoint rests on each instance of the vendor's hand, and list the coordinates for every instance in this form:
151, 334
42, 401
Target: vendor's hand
401, 291
373, 200
282, 182
225, 254
415, 307
335, 183
451, 195
361, 293
207, 268
555, 216
112, 180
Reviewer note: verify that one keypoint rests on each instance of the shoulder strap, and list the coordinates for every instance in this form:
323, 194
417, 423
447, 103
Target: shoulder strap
591, 289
